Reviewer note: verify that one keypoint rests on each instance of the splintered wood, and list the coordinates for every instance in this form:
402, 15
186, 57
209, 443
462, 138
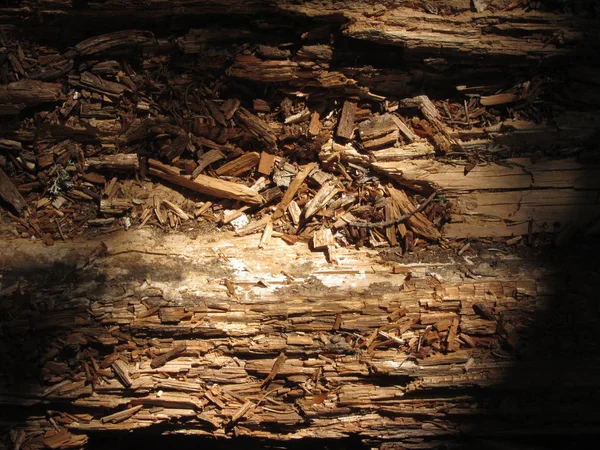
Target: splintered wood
272, 344
238, 189
204, 184
115, 136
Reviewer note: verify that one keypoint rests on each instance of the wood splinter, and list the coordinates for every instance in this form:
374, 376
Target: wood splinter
274, 370
161, 360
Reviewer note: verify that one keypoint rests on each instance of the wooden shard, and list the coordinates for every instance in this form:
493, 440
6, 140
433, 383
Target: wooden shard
321, 198
205, 184
275, 369
322, 239
128, 161
238, 166
314, 128
257, 126
266, 163
122, 372
417, 222
292, 190
122, 415
161, 360
345, 127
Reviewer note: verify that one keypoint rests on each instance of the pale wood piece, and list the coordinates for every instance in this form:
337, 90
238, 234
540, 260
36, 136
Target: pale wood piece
321, 198
406, 132
292, 190
266, 163
176, 210
314, 127
294, 212
298, 117
122, 372
205, 184
421, 148
121, 161
266, 236
122, 415
498, 99
322, 239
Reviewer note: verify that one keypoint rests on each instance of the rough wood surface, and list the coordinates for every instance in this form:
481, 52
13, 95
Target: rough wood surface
510, 199
370, 348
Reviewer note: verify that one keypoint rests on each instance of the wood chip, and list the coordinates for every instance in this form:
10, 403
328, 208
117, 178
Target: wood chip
274, 369
161, 360
345, 127
238, 166
322, 239
292, 190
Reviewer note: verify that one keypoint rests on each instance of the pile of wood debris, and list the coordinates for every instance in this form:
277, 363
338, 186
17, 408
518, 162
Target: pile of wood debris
101, 145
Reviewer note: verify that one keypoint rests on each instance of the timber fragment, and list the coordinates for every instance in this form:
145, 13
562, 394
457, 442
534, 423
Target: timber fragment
205, 184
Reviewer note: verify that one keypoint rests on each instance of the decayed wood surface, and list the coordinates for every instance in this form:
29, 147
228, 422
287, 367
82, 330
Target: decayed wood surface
211, 336
364, 113
260, 334
514, 198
